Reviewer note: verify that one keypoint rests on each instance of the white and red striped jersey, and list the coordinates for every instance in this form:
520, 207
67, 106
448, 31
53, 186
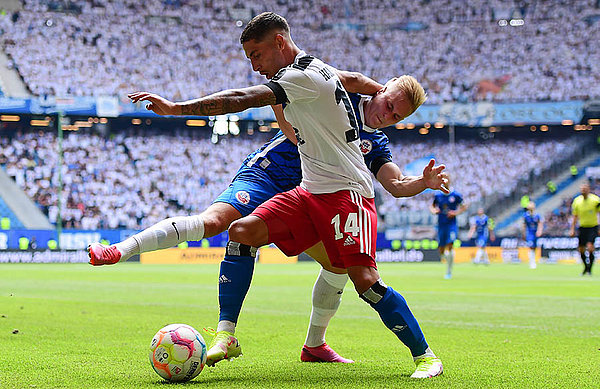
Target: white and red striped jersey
319, 109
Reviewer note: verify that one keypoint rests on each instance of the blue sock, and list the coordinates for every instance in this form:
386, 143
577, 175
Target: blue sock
396, 316
234, 279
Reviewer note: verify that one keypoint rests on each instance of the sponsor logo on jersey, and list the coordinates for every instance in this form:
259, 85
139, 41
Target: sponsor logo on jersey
243, 197
349, 241
366, 146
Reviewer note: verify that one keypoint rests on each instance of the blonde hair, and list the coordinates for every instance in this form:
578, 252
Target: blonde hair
414, 92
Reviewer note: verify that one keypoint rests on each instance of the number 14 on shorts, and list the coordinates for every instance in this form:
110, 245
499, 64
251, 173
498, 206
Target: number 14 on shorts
351, 227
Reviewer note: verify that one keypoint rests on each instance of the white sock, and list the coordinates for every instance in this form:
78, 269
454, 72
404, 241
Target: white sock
163, 235
531, 258
486, 259
326, 298
428, 353
478, 255
450, 260
226, 325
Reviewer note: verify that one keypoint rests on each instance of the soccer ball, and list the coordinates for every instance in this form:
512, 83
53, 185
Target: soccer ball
178, 353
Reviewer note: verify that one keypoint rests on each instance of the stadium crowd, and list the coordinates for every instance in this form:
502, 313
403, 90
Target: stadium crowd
132, 181
183, 49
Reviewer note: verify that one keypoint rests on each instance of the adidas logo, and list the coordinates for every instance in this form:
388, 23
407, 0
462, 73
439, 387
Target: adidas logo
223, 279
349, 241
398, 328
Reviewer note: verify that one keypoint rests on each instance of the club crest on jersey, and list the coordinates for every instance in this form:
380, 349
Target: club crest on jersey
366, 146
243, 197
451, 199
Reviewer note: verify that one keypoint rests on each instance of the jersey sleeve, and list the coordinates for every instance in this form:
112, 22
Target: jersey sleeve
436, 200
290, 85
379, 154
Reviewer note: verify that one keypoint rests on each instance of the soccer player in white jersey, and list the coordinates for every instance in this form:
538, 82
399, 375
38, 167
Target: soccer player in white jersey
334, 203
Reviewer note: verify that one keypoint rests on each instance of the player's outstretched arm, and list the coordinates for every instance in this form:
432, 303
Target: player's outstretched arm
355, 82
399, 185
220, 103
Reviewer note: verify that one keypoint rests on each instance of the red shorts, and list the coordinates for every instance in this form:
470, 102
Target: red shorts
345, 221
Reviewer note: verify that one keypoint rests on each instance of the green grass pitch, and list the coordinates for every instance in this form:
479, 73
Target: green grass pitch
502, 326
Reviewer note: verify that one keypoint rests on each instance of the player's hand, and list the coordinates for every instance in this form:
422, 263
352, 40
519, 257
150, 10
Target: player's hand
436, 211
451, 214
572, 233
158, 104
435, 178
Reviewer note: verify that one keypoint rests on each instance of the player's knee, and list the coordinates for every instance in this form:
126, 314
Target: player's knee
218, 217
247, 231
590, 247
362, 277
238, 232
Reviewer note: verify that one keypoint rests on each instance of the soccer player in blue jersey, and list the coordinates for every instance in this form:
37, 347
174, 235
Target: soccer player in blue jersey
272, 50
271, 169
481, 227
533, 227
447, 206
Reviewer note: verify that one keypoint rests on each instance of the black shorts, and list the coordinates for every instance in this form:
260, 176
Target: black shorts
587, 235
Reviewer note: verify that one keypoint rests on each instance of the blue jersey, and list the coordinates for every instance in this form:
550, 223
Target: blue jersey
532, 222
447, 202
481, 230
275, 167
481, 225
277, 160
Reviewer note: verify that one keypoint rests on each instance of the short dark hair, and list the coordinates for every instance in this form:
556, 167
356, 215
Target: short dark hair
262, 24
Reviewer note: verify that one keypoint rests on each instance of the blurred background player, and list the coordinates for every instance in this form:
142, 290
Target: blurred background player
481, 226
447, 206
585, 210
533, 227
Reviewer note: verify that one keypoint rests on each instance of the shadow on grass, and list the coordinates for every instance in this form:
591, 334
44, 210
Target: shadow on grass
301, 375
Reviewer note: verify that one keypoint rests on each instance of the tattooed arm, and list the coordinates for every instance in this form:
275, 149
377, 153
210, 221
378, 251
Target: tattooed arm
228, 101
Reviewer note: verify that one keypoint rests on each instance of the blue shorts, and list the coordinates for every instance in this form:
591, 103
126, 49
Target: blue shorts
447, 234
481, 240
531, 240
247, 191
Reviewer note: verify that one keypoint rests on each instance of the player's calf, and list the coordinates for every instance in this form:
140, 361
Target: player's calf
395, 314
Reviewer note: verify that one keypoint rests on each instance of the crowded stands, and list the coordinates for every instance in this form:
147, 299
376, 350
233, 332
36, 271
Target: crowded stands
133, 181
460, 50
